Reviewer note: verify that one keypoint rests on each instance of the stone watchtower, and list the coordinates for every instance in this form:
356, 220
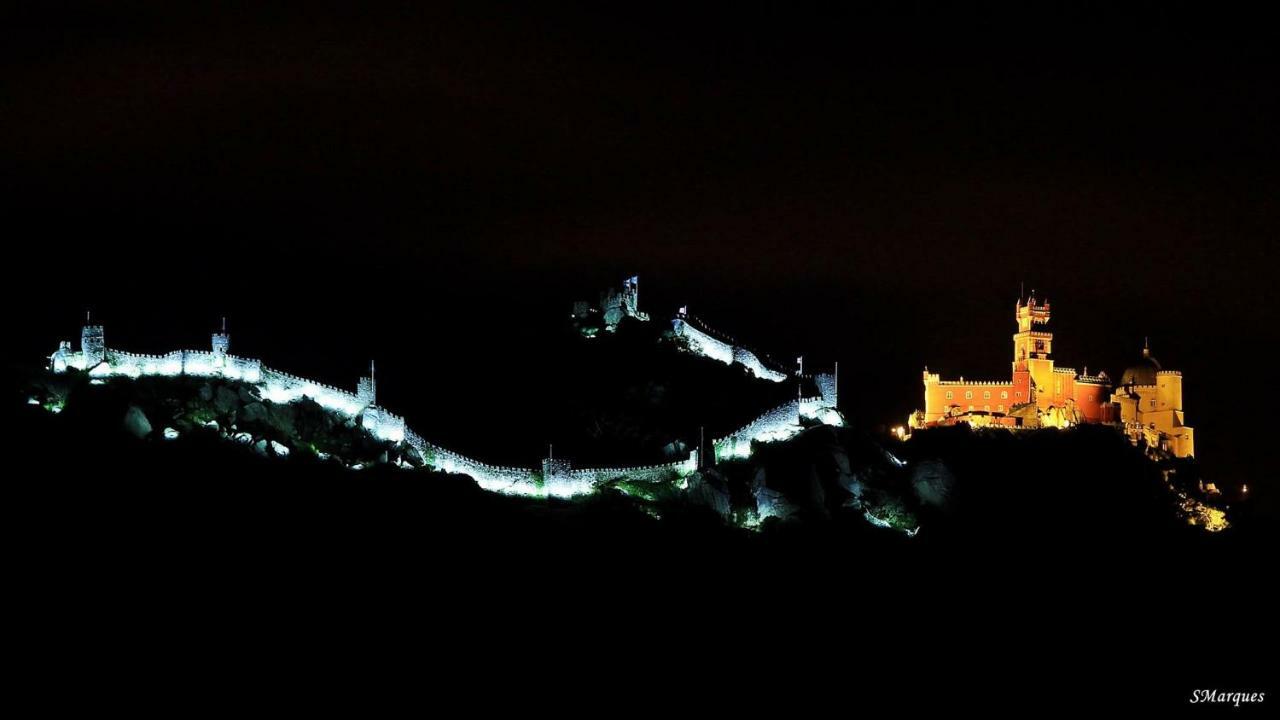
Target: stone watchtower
367, 389
221, 344
631, 296
93, 344
553, 470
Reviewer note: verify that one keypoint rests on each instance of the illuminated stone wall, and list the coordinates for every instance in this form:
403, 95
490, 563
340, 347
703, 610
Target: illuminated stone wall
748, 359
93, 345
556, 478
639, 473
495, 478
274, 385
704, 341
282, 387
221, 343
828, 387
775, 425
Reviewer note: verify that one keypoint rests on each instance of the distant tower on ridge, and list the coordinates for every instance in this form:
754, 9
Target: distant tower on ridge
93, 345
367, 389
221, 344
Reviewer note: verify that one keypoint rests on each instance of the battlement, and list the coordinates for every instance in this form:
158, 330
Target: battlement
706, 341
1177, 373
122, 355
779, 423
1032, 306
555, 477
273, 374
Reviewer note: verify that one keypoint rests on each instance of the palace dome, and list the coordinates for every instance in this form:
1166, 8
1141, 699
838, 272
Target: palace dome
1142, 372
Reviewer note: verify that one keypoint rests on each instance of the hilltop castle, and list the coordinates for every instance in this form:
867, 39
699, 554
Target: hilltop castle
613, 307
1147, 404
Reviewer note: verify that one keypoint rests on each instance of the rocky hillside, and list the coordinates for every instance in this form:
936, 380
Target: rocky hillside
947, 485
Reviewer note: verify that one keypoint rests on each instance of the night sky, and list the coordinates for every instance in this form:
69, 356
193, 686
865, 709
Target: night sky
862, 185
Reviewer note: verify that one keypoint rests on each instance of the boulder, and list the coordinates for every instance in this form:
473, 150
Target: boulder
933, 483
225, 401
710, 490
412, 455
283, 417
852, 484
136, 422
769, 502
254, 412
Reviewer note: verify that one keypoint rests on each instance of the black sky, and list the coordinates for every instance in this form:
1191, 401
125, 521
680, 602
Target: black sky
862, 183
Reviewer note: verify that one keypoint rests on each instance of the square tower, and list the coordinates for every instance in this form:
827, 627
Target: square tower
221, 345
1033, 343
93, 345
367, 389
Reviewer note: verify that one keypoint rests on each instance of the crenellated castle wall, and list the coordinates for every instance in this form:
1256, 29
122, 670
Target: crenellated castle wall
748, 359
774, 425
556, 478
702, 340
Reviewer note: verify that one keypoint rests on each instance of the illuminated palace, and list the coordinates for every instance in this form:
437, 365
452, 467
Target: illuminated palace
1147, 404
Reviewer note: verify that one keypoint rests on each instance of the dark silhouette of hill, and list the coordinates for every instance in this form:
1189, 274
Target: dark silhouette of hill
1069, 528
615, 399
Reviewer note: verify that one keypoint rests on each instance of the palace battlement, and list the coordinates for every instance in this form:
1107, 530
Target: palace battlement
971, 383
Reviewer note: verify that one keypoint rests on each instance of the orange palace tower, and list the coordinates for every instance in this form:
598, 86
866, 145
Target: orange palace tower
1036, 395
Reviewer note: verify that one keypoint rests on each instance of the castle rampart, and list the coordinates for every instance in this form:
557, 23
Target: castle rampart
707, 342
556, 478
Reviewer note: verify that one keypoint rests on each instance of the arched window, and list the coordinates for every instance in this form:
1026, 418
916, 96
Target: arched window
986, 395
1004, 394
950, 395
968, 394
